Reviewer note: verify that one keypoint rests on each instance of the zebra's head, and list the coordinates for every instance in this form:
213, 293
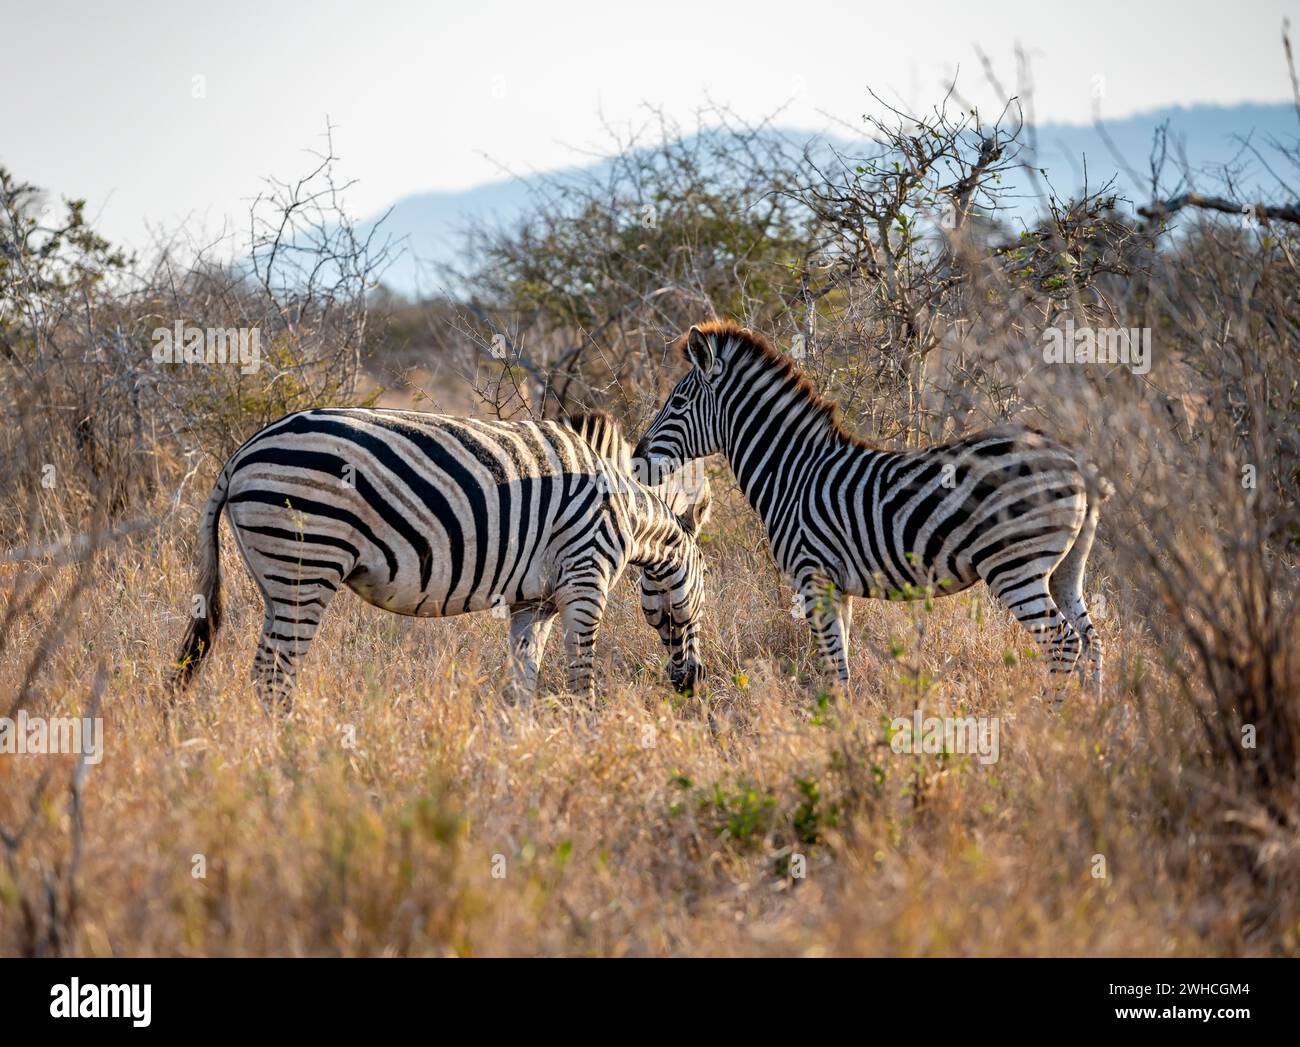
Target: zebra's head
672, 599
688, 494
688, 425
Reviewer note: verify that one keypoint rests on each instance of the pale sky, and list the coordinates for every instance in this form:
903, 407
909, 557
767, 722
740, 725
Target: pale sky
101, 100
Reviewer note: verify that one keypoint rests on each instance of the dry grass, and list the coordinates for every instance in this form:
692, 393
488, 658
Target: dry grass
647, 826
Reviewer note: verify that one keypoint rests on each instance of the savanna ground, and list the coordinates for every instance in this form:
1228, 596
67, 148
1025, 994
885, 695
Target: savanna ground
372, 822
405, 808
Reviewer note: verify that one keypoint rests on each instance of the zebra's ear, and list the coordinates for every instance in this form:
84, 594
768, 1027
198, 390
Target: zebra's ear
699, 350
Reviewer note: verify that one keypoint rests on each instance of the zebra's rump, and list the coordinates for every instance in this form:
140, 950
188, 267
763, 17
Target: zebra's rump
946, 516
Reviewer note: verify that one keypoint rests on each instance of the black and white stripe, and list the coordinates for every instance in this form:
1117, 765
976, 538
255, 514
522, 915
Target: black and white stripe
1008, 506
686, 493
430, 515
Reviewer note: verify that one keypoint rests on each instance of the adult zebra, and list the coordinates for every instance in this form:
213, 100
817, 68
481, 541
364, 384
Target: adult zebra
1008, 505
430, 515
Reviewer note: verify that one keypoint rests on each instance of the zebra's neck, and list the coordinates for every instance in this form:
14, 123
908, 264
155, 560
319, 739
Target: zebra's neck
777, 434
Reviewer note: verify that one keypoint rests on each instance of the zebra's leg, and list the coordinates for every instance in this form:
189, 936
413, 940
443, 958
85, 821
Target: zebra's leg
1066, 586
293, 614
530, 626
297, 583
1030, 600
829, 614
582, 607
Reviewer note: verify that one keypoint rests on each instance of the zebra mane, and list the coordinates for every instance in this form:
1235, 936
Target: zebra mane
601, 430
604, 435
732, 341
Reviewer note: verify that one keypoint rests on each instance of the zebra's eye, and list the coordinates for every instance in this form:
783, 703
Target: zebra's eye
679, 400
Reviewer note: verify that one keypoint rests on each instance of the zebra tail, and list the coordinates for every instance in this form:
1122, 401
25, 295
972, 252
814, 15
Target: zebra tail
204, 626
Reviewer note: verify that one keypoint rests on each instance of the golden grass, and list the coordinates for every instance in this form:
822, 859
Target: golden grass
647, 826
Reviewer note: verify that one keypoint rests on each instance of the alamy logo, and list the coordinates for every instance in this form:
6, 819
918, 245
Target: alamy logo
27, 735
976, 736
1130, 346
102, 1001
184, 344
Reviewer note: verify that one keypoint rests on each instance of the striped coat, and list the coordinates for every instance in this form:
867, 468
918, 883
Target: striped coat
1009, 506
429, 515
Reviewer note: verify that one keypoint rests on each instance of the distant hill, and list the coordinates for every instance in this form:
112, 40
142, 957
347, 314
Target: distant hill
429, 225
1206, 135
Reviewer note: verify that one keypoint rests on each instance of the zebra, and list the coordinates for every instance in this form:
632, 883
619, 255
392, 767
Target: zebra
686, 493
431, 515
1007, 505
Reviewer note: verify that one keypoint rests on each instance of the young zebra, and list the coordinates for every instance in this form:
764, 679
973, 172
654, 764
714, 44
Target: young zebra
1009, 505
686, 493
429, 515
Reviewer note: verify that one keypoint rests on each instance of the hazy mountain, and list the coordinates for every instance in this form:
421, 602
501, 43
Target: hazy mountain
1204, 137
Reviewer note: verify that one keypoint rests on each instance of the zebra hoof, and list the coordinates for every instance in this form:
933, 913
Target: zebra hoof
517, 697
278, 705
688, 682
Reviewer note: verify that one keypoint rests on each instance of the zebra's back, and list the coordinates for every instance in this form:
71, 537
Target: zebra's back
944, 515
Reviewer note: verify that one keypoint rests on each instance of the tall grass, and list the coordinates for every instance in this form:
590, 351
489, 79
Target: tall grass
373, 821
